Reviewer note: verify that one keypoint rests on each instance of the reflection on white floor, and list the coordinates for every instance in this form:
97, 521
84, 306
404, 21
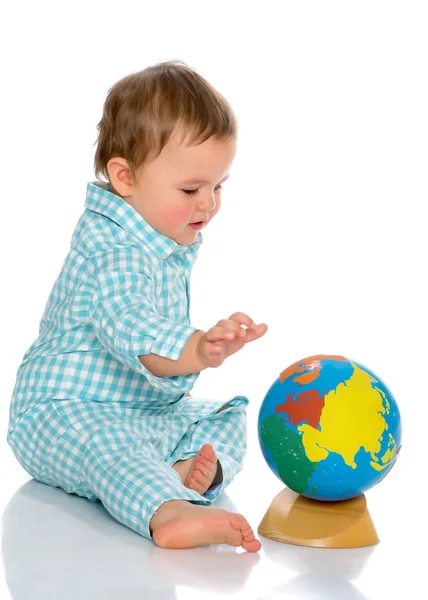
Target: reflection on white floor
328, 573
58, 546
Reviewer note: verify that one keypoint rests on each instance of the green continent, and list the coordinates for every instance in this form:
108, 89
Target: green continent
288, 453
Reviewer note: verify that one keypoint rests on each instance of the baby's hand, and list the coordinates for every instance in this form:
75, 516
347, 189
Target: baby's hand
227, 337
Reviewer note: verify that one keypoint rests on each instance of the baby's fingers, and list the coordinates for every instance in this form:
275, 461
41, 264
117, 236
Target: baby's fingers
242, 319
254, 333
231, 326
219, 334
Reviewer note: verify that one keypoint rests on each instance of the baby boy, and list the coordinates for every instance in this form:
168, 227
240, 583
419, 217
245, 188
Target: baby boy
102, 406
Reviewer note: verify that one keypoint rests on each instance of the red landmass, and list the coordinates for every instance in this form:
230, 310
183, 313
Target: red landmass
307, 407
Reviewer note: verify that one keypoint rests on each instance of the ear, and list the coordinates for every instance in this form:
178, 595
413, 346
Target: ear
120, 176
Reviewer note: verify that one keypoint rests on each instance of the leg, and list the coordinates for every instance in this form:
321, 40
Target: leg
98, 458
143, 492
49, 449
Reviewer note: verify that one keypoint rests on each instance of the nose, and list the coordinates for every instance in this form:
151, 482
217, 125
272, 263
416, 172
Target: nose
207, 202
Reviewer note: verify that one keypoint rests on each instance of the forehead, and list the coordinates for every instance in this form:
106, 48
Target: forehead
209, 159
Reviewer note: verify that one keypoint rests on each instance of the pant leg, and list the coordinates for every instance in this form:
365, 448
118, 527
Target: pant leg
135, 484
91, 451
49, 449
226, 431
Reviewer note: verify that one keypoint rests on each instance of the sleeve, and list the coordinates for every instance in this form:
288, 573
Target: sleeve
123, 314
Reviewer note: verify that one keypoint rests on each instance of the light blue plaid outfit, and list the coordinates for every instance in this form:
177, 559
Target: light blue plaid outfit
86, 415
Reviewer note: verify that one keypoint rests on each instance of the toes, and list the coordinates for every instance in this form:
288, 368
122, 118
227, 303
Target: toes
198, 477
207, 452
203, 470
253, 546
209, 463
248, 533
249, 541
197, 487
239, 522
206, 471
234, 538
198, 481
192, 484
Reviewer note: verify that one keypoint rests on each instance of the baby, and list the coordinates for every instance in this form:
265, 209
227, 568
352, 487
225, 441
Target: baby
101, 406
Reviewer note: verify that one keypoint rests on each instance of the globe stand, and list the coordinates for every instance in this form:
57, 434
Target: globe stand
295, 519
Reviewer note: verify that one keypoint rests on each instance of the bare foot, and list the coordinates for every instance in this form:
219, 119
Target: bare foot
180, 524
198, 473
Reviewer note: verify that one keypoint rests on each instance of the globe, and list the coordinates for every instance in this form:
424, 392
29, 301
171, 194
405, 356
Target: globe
329, 428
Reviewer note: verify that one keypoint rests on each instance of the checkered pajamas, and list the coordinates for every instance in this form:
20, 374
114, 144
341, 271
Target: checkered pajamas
86, 415
123, 456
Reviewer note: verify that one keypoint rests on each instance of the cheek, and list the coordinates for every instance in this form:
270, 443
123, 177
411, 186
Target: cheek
178, 214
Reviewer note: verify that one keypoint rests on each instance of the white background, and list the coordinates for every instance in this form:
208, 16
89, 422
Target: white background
322, 232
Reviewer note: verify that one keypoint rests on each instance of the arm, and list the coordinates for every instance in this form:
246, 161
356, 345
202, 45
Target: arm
189, 361
208, 349
117, 299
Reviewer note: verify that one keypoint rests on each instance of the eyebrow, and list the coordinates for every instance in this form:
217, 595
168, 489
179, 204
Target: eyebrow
203, 181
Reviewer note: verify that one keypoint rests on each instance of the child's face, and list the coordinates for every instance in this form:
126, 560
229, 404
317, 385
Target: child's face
179, 192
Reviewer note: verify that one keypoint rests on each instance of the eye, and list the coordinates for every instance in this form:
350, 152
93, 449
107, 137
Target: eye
192, 192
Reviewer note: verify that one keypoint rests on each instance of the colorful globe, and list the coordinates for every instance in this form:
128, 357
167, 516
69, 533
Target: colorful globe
329, 428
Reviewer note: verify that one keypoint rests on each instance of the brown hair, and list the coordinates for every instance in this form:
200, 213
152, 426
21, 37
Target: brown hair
143, 109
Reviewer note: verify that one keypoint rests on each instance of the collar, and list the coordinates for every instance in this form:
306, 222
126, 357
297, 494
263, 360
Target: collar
101, 199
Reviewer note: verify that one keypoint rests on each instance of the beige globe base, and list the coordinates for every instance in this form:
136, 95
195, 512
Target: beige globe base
294, 519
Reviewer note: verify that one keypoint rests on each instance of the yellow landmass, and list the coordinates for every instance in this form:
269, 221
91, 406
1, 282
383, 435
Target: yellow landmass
388, 456
352, 418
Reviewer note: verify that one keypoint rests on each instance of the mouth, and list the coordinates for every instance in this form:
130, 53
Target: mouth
198, 225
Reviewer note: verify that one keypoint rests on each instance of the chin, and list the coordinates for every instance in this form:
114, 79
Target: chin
187, 239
